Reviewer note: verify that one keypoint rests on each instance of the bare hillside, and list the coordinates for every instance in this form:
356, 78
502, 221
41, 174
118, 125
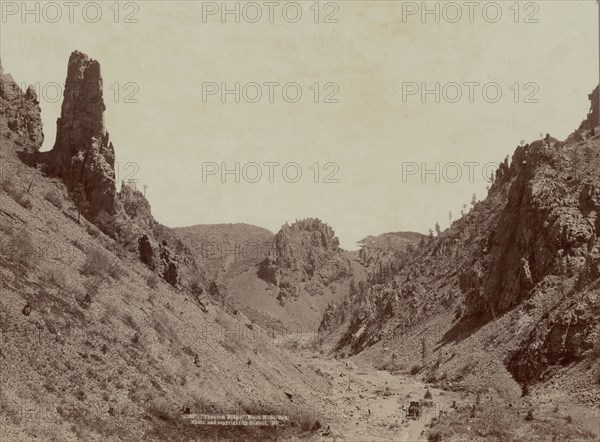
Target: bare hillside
227, 249
102, 337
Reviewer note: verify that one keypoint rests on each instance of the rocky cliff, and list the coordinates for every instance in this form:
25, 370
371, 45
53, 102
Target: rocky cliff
83, 156
305, 255
21, 111
382, 255
157, 246
593, 117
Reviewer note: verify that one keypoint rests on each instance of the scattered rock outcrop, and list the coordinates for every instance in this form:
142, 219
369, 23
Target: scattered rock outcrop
133, 204
83, 155
146, 252
593, 118
150, 238
563, 338
168, 264
21, 111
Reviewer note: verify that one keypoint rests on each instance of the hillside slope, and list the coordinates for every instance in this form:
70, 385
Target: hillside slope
299, 274
226, 249
507, 300
95, 345
381, 254
285, 279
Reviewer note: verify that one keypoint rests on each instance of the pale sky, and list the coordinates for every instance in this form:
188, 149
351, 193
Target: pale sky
371, 55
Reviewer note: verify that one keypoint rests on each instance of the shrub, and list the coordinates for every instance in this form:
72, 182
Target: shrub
160, 408
56, 276
127, 233
152, 280
78, 244
468, 367
107, 224
129, 321
435, 436
8, 186
96, 263
529, 416
222, 319
115, 248
85, 302
20, 248
24, 201
305, 419
427, 394
115, 270
427, 403
431, 376
6, 228
196, 285
92, 231
415, 369
596, 350
136, 339
20, 196
55, 198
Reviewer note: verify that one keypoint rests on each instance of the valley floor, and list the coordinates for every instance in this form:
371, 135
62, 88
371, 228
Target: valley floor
367, 405
364, 404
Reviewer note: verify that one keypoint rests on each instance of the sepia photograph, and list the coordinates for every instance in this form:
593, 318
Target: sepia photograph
300, 221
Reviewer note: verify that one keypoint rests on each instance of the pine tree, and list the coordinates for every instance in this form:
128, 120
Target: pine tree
438, 229
81, 201
38, 169
353, 289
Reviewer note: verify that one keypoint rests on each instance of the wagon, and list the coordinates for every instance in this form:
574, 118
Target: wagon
414, 410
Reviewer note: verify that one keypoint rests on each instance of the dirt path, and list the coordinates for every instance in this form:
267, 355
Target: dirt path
365, 404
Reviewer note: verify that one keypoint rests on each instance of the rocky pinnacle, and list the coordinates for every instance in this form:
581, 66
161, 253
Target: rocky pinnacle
83, 154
